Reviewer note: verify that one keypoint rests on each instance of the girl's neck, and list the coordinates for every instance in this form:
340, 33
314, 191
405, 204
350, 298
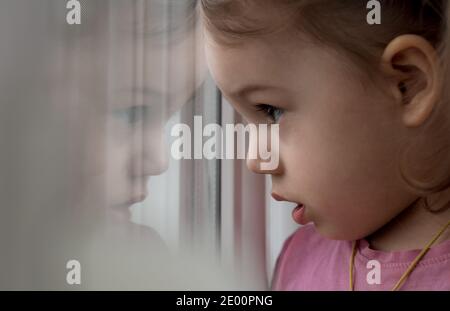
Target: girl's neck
412, 229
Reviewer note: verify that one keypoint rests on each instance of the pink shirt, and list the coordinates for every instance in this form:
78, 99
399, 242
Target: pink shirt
310, 262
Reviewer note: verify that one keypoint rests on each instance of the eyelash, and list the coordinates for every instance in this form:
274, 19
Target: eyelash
270, 111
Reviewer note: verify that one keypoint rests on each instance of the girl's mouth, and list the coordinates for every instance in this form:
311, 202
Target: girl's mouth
277, 197
298, 214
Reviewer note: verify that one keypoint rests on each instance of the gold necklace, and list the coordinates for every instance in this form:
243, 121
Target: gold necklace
411, 266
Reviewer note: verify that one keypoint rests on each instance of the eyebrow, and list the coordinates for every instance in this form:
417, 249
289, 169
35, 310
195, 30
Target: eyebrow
251, 88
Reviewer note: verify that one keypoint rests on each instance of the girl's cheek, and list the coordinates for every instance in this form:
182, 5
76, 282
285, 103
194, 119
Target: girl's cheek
287, 127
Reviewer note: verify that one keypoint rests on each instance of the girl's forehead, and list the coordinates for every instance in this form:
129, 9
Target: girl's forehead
232, 69
265, 52
279, 41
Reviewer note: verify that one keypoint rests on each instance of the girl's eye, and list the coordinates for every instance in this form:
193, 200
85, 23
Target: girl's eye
131, 115
272, 112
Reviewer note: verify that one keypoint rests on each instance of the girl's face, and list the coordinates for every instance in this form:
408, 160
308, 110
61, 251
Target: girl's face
130, 82
339, 137
150, 80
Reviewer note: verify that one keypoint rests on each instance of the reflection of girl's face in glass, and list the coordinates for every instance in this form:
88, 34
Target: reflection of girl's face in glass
149, 81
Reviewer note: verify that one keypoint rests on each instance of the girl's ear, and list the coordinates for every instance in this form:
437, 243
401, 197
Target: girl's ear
412, 64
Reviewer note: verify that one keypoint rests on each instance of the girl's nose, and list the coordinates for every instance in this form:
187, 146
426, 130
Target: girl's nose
155, 159
255, 165
150, 156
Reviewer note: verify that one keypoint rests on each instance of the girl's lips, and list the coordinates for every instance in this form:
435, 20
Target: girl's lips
298, 214
278, 197
138, 198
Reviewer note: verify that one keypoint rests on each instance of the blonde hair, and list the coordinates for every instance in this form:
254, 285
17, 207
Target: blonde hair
342, 25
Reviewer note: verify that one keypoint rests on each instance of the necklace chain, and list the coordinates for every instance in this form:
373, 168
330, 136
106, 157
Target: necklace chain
411, 266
